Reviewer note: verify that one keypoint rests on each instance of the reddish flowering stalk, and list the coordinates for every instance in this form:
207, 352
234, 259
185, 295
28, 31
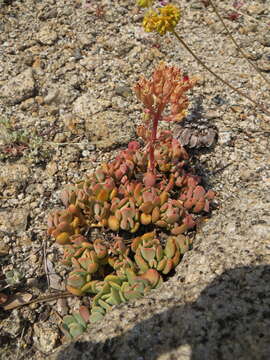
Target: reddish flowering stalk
166, 87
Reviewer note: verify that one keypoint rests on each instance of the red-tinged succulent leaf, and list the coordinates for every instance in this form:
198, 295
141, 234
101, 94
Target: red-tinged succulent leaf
179, 181
135, 243
142, 264
133, 145
148, 236
73, 290
152, 276
146, 207
148, 253
128, 213
168, 267
120, 247
188, 220
176, 258
65, 227
79, 240
155, 214
210, 194
161, 223
124, 224
148, 195
75, 224
149, 179
74, 210
164, 197
137, 192
159, 252
63, 238
146, 219
199, 206
193, 181
130, 294
100, 249
87, 288
170, 247
135, 228
113, 278
172, 215
198, 192
123, 202
179, 229
103, 195
78, 278
92, 268
162, 263
182, 243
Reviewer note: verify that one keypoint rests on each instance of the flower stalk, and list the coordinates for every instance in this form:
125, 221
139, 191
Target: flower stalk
165, 20
166, 87
235, 43
180, 39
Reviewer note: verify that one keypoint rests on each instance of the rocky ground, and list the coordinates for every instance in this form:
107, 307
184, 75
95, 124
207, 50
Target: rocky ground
66, 104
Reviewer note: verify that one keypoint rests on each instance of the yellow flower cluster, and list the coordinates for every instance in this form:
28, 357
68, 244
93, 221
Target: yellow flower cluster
145, 3
161, 22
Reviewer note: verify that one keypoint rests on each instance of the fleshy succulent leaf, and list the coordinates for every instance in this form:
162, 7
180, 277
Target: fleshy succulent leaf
150, 189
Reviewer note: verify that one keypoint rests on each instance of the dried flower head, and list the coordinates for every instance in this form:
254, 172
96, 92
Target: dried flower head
164, 21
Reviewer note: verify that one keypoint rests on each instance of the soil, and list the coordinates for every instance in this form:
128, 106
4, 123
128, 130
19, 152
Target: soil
67, 69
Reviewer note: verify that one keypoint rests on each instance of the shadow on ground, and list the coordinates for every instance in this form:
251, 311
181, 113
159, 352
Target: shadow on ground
229, 320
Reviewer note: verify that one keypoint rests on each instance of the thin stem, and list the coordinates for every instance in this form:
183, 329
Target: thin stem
235, 43
261, 107
151, 156
156, 118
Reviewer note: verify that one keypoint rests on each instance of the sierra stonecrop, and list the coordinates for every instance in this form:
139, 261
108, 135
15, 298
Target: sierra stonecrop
149, 189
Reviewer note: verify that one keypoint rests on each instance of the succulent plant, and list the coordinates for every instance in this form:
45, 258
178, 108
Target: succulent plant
62, 224
148, 189
149, 252
118, 289
13, 277
119, 259
76, 324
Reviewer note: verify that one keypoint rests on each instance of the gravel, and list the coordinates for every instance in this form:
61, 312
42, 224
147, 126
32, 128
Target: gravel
66, 104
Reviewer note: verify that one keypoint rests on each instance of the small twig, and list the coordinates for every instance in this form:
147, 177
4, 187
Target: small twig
222, 168
62, 144
46, 299
19, 344
45, 262
261, 107
235, 43
34, 253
